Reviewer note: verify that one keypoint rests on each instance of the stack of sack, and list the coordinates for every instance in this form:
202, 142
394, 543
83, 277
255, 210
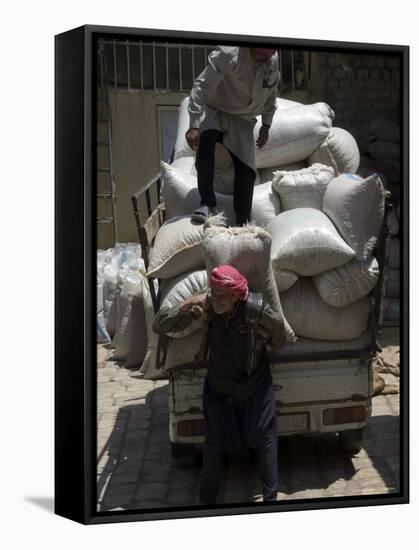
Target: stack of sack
124, 307
379, 144
318, 220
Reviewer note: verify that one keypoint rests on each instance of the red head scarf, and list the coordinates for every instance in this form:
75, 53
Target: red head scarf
226, 276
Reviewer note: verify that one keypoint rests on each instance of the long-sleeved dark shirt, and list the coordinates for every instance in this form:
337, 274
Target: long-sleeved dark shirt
229, 346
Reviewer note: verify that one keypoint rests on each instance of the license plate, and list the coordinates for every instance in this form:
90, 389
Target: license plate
292, 423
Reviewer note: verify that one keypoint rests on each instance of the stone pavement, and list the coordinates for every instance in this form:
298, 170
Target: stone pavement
135, 469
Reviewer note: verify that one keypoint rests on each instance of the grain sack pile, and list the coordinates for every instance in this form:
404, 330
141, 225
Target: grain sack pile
392, 290
124, 307
310, 245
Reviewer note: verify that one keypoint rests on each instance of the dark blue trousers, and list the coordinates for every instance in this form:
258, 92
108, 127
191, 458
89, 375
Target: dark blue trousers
244, 177
230, 423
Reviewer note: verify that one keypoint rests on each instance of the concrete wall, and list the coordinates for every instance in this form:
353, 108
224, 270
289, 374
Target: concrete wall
358, 87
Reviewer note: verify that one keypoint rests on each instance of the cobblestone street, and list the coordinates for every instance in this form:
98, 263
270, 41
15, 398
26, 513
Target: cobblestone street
135, 469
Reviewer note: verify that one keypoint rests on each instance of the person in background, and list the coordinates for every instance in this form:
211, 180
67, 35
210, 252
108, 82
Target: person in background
238, 396
237, 85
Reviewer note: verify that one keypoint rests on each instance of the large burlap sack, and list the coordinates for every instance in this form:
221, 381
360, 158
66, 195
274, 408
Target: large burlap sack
393, 284
177, 248
266, 174
391, 316
311, 317
302, 188
394, 253
179, 289
183, 350
356, 207
305, 241
182, 148
284, 279
382, 150
181, 197
383, 129
130, 340
348, 283
339, 150
309, 345
295, 133
248, 250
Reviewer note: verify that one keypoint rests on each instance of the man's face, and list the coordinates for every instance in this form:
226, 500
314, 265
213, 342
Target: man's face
262, 54
223, 301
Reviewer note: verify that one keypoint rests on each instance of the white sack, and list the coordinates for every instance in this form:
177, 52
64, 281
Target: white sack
284, 279
294, 134
393, 284
131, 335
311, 317
183, 350
181, 197
177, 248
339, 150
305, 241
266, 174
248, 250
394, 253
382, 150
356, 207
348, 283
302, 188
179, 289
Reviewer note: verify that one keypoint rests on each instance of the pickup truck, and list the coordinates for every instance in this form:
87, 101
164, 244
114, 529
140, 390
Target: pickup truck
325, 389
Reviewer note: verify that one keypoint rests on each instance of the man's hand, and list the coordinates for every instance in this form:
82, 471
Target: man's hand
192, 137
263, 137
199, 300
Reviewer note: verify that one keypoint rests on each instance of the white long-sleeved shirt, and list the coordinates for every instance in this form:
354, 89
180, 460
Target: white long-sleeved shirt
230, 92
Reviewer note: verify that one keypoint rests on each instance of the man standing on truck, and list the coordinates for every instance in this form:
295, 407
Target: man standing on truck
238, 397
237, 85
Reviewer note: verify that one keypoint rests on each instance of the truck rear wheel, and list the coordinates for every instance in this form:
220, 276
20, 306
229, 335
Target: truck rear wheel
185, 456
351, 440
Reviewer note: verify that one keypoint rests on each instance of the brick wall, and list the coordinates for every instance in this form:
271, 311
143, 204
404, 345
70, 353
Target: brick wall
358, 87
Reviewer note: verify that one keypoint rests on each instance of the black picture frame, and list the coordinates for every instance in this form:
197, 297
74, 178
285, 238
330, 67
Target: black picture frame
75, 292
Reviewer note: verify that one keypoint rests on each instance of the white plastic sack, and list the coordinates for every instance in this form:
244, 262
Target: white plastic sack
176, 291
302, 188
356, 207
339, 150
177, 248
294, 134
305, 241
248, 250
393, 284
181, 197
382, 150
394, 253
311, 317
348, 283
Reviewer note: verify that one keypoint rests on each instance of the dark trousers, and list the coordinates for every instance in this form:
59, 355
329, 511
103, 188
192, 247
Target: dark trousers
244, 177
227, 424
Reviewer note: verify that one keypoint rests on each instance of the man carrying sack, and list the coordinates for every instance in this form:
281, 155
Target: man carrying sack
238, 397
237, 85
